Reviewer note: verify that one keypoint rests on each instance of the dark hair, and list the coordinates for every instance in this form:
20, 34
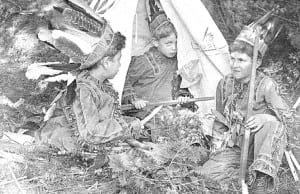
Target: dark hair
164, 31
118, 43
242, 47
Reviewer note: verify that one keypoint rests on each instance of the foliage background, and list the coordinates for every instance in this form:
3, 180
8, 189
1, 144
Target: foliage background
20, 19
20, 47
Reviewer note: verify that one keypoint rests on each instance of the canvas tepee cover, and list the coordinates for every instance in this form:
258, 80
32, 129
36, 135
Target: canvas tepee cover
203, 57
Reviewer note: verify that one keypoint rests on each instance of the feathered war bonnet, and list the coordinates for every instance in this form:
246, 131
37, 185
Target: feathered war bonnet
157, 17
266, 27
78, 32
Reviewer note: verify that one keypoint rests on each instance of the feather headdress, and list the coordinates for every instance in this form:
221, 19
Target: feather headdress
157, 16
269, 29
77, 32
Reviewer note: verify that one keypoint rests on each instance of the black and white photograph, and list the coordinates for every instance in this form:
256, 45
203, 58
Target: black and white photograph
149, 96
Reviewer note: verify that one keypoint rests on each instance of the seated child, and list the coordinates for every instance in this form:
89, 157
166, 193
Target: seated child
92, 116
268, 134
152, 77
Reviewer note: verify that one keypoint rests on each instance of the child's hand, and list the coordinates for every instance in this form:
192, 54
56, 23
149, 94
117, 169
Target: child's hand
256, 122
182, 99
135, 128
139, 104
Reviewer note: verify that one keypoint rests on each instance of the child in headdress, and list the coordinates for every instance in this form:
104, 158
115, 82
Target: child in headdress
92, 116
268, 133
152, 77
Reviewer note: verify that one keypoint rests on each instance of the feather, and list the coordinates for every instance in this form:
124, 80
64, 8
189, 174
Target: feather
96, 4
44, 77
47, 6
103, 3
76, 43
75, 30
57, 78
35, 70
64, 67
71, 78
63, 76
70, 95
50, 112
51, 71
45, 35
72, 46
297, 104
104, 6
80, 6
82, 22
102, 11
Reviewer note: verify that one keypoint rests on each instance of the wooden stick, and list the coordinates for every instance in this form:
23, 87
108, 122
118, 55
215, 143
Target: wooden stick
16, 181
136, 144
296, 163
11, 181
244, 188
292, 168
151, 115
245, 146
128, 107
297, 103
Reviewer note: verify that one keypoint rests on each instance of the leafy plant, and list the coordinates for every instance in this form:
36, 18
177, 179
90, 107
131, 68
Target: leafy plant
171, 166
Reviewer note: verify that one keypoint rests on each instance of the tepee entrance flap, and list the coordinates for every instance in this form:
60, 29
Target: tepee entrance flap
203, 56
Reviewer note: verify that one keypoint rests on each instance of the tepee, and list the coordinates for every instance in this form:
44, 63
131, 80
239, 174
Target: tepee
203, 57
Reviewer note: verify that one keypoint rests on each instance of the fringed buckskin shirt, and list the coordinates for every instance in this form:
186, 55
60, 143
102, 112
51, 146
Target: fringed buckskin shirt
97, 111
94, 119
269, 142
232, 98
152, 77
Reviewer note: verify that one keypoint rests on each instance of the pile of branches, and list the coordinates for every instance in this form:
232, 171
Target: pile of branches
179, 148
170, 166
39, 169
